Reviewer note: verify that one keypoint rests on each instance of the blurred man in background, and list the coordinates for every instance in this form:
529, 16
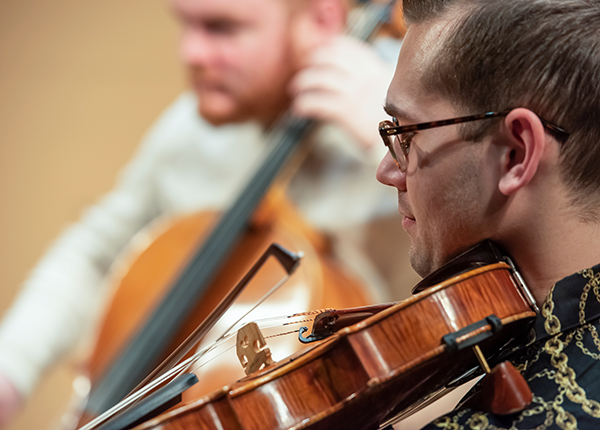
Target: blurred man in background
248, 61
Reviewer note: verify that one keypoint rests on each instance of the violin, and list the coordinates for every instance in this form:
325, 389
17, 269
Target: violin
362, 375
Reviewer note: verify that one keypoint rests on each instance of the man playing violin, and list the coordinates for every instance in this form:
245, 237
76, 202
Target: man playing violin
248, 61
516, 162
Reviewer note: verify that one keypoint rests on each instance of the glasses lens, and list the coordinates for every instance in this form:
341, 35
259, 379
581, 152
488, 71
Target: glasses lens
392, 143
401, 150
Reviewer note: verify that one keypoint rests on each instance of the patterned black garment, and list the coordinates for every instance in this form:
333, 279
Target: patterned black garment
561, 364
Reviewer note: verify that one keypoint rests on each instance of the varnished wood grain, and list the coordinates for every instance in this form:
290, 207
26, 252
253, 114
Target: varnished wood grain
383, 365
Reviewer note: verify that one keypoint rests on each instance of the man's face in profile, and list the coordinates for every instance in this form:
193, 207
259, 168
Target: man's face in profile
443, 194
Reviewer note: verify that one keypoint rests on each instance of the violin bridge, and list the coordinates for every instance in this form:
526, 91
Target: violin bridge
251, 349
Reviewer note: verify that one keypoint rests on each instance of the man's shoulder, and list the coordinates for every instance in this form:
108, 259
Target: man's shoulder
180, 127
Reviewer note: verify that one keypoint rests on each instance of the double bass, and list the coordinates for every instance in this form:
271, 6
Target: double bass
134, 338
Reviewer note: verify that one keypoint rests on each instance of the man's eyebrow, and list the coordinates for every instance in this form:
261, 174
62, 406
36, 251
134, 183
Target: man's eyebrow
397, 112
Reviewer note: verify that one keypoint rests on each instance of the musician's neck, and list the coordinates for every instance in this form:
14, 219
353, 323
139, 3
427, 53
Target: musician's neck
569, 246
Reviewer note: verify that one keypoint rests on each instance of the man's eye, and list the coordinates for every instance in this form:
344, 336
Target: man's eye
407, 139
222, 27
405, 142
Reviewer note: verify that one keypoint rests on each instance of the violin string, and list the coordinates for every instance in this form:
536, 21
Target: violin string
129, 400
194, 367
261, 322
298, 322
229, 332
193, 364
262, 299
234, 328
264, 324
282, 334
272, 322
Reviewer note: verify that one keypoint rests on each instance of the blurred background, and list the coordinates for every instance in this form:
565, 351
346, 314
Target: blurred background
80, 81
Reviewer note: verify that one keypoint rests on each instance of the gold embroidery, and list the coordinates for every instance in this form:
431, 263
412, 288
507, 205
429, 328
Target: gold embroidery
560, 411
579, 340
479, 421
565, 420
552, 323
451, 423
565, 377
443, 423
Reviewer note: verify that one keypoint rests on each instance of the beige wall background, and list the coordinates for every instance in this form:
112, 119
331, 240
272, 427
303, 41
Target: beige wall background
80, 81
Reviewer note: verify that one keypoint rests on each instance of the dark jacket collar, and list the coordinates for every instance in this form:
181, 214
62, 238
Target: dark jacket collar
572, 302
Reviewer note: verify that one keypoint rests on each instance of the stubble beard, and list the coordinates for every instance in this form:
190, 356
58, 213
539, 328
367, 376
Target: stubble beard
241, 110
419, 262
231, 101
461, 229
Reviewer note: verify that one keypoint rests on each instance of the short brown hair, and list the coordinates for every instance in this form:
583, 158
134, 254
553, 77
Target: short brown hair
540, 54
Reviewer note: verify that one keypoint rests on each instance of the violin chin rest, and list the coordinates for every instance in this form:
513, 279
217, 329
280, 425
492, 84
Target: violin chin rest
503, 391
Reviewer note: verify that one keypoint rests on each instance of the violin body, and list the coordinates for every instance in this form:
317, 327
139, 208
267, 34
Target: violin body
369, 372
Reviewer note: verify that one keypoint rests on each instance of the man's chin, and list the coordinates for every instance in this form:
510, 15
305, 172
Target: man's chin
420, 261
219, 107
217, 115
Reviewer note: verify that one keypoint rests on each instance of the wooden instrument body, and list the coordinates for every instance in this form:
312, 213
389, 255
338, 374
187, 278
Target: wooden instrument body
368, 372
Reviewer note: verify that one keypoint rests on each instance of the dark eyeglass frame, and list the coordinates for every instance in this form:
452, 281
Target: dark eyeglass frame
388, 131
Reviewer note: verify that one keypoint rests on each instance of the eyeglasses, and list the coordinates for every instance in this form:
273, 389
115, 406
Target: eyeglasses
398, 138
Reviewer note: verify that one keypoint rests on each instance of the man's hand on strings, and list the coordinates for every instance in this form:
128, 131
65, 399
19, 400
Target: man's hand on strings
344, 82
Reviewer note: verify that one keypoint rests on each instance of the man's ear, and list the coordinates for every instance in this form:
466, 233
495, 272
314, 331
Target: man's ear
329, 16
525, 143
319, 21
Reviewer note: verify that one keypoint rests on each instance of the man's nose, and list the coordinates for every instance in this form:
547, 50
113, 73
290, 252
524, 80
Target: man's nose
388, 173
194, 47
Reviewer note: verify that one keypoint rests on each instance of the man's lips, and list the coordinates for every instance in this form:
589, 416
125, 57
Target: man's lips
407, 219
207, 81
403, 210
203, 85
405, 213
407, 222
